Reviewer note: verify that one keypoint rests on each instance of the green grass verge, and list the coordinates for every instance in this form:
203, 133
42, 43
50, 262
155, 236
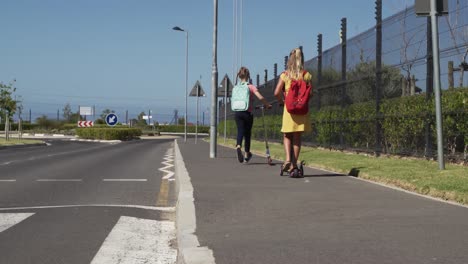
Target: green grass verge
15, 141
416, 175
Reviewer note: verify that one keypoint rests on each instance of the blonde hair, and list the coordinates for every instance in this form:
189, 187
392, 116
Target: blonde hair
295, 64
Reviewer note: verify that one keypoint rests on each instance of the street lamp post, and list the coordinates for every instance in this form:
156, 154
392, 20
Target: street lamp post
186, 78
214, 84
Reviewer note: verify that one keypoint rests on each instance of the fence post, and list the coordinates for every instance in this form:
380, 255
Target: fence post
319, 69
286, 62
450, 75
343, 78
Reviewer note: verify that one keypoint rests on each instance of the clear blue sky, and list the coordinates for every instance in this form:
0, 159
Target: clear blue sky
123, 54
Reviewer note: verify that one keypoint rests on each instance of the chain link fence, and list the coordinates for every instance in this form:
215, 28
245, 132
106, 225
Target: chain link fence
374, 92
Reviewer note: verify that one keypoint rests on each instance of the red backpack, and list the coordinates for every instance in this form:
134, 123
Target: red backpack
297, 98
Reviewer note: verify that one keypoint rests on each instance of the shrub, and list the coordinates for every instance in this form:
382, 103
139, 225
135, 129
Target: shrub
108, 133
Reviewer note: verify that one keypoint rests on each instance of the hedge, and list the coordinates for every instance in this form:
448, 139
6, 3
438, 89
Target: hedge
181, 129
403, 122
108, 133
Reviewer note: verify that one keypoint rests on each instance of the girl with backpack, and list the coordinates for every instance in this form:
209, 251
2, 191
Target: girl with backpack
243, 114
293, 125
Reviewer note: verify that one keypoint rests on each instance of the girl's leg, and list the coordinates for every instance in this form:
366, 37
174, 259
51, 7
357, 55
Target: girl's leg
248, 131
297, 146
240, 129
287, 137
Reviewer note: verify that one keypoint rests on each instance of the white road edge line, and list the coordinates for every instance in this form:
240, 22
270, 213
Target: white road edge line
8, 180
153, 208
190, 251
124, 180
135, 240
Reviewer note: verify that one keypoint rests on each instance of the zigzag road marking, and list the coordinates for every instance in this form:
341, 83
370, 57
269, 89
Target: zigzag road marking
163, 195
169, 162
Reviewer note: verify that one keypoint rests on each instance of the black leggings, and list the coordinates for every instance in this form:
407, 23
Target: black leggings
244, 122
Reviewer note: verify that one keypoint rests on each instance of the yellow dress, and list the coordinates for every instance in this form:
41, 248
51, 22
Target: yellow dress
295, 123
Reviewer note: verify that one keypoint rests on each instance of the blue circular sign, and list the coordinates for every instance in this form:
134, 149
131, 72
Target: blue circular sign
111, 119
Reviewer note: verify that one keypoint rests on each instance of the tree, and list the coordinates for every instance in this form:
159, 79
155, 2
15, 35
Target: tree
19, 107
362, 86
67, 112
410, 48
181, 121
140, 120
7, 103
44, 122
105, 112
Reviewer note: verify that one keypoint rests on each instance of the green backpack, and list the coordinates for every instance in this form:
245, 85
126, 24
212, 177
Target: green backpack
240, 98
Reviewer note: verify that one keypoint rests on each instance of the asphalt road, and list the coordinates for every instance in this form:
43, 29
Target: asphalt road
83, 202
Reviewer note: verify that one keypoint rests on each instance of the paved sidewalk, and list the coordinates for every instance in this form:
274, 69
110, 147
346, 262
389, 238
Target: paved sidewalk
247, 213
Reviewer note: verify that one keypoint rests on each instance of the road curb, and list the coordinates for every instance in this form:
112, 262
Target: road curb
189, 250
23, 146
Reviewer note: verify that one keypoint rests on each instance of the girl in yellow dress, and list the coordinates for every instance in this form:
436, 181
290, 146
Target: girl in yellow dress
293, 125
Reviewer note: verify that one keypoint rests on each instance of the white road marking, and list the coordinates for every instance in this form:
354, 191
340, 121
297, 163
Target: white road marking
134, 240
124, 180
8, 220
9, 180
169, 162
59, 180
153, 208
7, 162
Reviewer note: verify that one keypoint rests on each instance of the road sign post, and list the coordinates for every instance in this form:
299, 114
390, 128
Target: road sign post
435, 8
197, 91
227, 85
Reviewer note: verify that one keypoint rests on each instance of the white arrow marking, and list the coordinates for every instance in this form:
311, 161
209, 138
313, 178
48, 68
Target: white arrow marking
112, 119
134, 240
8, 220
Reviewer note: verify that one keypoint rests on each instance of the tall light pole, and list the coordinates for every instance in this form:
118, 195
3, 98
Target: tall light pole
436, 63
186, 78
214, 84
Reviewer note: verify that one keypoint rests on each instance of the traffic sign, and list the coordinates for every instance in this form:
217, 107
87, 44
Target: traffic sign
86, 110
225, 86
197, 90
423, 7
85, 123
111, 119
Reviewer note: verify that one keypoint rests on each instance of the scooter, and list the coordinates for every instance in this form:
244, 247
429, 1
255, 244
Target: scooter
269, 160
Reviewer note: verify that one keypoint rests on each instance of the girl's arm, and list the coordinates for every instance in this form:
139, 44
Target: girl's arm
279, 91
261, 98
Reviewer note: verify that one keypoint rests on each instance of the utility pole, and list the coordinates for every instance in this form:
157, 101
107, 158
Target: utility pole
214, 84
436, 62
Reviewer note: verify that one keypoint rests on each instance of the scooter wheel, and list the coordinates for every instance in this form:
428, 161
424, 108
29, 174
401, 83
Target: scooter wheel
281, 171
294, 173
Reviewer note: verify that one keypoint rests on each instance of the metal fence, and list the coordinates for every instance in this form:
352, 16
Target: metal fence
377, 85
